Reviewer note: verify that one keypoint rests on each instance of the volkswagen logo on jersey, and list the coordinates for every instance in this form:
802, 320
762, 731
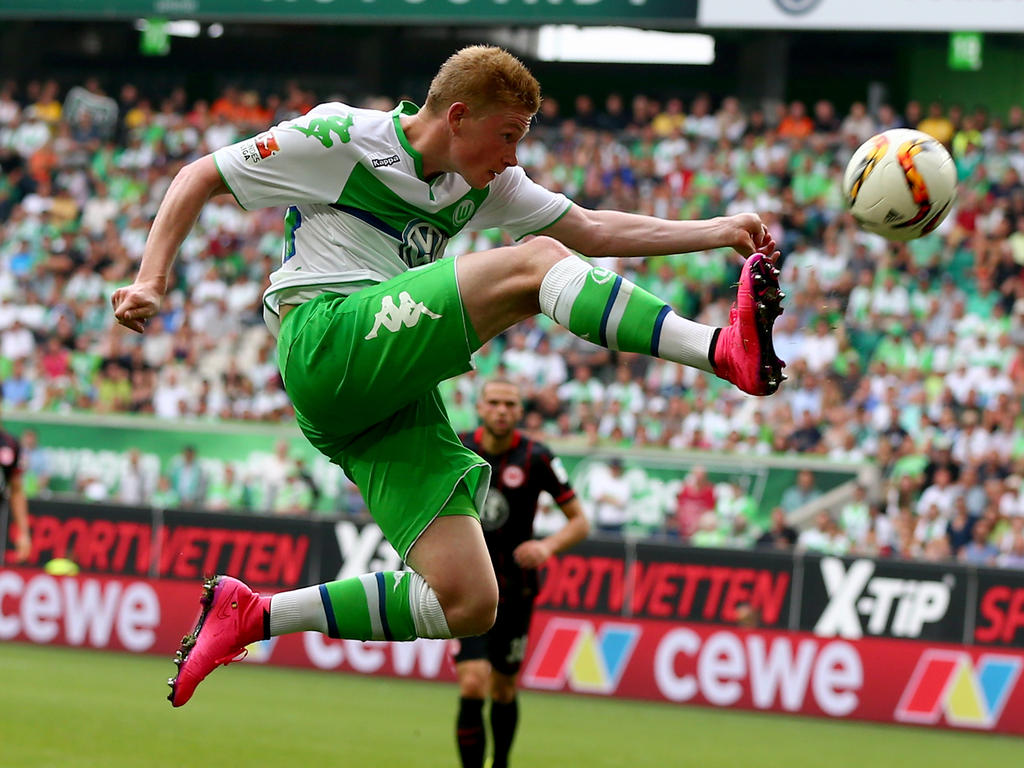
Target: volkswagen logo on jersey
463, 212
422, 243
495, 511
512, 476
796, 7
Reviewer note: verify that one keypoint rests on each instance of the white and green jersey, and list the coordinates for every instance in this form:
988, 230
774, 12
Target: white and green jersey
359, 210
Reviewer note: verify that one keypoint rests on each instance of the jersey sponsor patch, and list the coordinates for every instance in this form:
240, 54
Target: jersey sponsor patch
496, 510
259, 149
559, 469
463, 212
512, 476
266, 145
384, 162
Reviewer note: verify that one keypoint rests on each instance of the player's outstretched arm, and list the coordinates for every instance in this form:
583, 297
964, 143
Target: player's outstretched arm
19, 514
532, 553
194, 184
615, 233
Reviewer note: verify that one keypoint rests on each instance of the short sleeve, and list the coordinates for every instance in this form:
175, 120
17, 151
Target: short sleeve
519, 205
305, 160
552, 475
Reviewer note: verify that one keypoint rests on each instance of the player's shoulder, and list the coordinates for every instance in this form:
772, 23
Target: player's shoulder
469, 439
536, 447
352, 126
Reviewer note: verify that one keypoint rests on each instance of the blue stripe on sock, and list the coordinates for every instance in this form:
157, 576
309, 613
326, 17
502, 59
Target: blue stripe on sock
656, 336
603, 332
382, 604
332, 624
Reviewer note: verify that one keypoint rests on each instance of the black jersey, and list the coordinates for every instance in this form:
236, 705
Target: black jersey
518, 476
10, 462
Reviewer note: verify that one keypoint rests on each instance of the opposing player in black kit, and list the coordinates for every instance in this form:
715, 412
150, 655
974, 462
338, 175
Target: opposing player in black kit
13, 496
521, 468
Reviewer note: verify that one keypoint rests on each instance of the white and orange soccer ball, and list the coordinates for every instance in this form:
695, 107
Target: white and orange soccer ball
900, 184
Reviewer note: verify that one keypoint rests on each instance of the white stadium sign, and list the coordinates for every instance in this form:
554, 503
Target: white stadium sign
907, 15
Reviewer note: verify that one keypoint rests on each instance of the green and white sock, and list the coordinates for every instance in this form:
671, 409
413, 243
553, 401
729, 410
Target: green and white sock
606, 309
387, 605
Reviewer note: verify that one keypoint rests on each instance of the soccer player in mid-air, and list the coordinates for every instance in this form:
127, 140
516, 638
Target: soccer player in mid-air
369, 319
487, 665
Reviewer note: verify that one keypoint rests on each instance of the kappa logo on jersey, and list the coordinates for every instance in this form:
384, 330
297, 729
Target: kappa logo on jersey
857, 592
384, 162
948, 683
393, 316
463, 212
422, 243
571, 651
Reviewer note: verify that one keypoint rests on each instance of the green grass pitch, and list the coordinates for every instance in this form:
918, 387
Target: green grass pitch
72, 708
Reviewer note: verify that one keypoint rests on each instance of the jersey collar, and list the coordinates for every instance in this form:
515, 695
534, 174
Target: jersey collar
407, 108
517, 437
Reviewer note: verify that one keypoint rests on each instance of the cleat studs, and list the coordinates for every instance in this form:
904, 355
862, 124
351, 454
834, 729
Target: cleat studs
782, 295
170, 681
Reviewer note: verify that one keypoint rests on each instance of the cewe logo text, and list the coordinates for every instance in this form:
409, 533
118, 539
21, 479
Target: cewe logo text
43, 609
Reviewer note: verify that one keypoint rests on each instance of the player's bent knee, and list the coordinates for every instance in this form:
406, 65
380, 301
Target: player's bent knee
544, 253
474, 613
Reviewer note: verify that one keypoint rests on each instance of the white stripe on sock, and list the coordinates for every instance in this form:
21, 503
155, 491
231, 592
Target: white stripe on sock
369, 582
684, 341
611, 330
297, 611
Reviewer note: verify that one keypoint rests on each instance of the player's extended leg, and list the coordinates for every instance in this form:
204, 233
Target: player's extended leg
474, 677
504, 716
452, 592
503, 286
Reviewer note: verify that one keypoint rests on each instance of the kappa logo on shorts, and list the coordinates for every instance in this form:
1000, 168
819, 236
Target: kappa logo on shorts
393, 316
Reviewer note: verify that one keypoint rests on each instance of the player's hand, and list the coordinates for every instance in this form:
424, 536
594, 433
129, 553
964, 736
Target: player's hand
23, 547
746, 234
532, 554
134, 304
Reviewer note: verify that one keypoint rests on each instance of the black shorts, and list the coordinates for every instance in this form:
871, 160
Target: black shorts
504, 644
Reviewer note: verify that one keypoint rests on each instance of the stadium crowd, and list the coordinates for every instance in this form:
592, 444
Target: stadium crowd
907, 355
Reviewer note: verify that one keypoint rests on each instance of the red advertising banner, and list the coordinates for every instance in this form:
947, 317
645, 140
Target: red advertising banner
870, 678
797, 672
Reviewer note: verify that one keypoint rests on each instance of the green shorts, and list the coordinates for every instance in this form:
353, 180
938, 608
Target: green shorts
362, 373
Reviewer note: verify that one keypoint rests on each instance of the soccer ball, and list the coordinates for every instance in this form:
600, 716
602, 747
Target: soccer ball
900, 184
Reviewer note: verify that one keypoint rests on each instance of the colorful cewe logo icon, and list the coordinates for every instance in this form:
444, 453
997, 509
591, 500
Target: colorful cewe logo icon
260, 651
949, 683
571, 651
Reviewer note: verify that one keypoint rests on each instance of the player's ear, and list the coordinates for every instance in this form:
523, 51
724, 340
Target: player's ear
457, 112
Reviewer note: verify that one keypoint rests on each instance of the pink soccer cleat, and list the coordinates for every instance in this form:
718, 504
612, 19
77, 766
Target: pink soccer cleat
743, 351
232, 617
